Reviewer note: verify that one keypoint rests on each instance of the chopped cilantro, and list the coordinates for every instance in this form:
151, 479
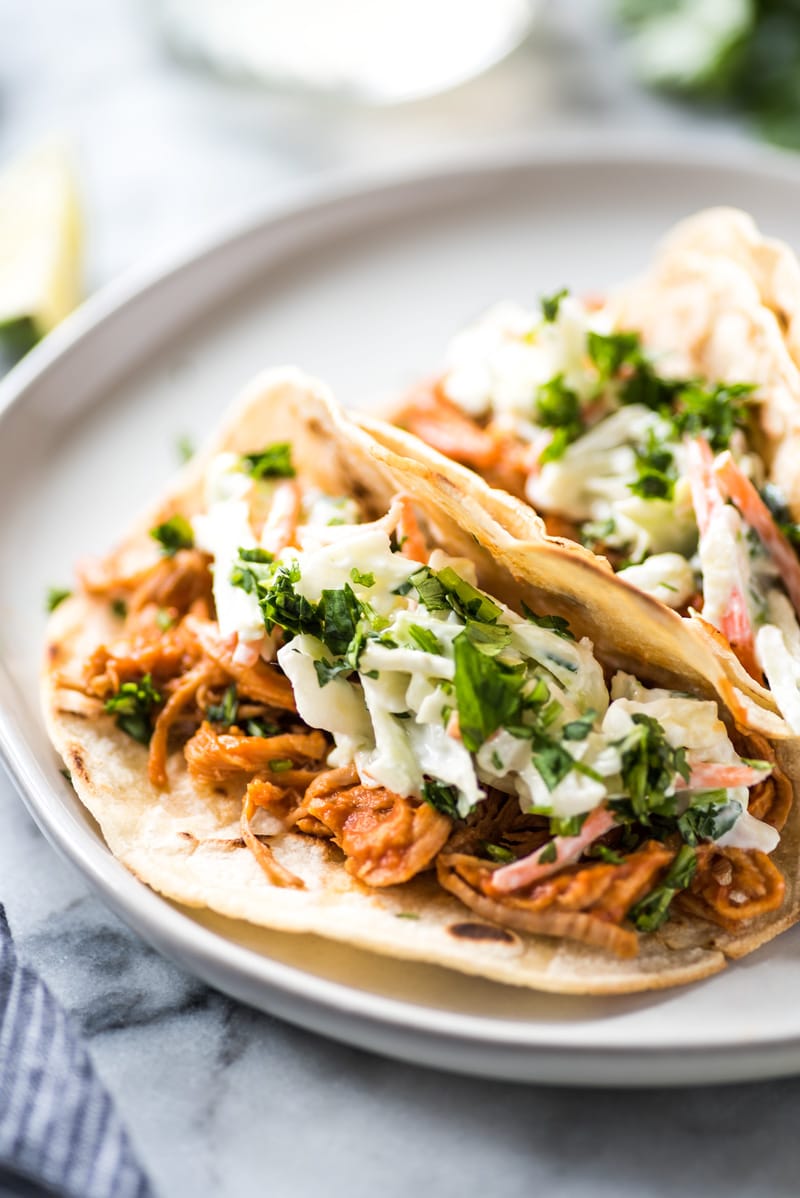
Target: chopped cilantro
713, 411
133, 706
226, 711
281, 765
611, 351
550, 304
258, 727
465, 599
260, 556
650, 912
163, 619
710, 815
273, 462
569, 825
488, 693
119, 608
55, 597
603, 853
362, 580
555, 624
656, 472
441, 797
551, 760
498, 853
597, 532
173, 534
579, 729
405, 915
491, 639
327, 670
548, 854
558, 407
649, 767
424, 638
184, 449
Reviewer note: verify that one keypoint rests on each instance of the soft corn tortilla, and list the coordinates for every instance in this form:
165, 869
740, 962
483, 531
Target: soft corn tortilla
185, 842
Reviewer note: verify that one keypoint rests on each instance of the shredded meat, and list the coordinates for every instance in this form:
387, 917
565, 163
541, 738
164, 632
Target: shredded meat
261, 681
435, 419
175, 582
385, 838
185, 692
770, 800
583, 902
277, 874
732, 886
213, 756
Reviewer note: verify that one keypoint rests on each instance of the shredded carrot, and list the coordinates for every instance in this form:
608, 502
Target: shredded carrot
277, 874
740, 490
412, 542
280, 527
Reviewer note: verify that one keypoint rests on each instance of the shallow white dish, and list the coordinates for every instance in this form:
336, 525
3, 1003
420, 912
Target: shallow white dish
362, 287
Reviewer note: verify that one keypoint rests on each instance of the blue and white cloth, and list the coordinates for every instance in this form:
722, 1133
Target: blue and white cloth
59, 1131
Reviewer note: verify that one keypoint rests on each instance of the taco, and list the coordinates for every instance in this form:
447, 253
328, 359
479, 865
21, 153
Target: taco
324, 687
660, 428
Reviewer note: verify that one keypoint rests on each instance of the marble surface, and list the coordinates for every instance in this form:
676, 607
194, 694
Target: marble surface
221, 1100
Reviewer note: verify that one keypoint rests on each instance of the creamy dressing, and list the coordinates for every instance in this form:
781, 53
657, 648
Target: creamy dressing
391, 709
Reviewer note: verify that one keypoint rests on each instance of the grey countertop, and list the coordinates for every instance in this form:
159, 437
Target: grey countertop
221, 1100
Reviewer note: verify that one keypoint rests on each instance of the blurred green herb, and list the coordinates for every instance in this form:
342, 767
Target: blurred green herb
744, 54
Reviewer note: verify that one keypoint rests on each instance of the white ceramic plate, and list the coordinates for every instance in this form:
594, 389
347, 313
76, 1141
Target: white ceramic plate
362, 288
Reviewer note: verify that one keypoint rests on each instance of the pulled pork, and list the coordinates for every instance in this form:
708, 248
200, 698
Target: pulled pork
170, 634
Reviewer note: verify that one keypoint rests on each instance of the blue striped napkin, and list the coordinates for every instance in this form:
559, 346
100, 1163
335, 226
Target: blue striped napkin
59, 1131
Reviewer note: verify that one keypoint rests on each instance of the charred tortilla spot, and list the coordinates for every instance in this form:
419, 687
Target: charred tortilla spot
227, 844
53, 652
77, 765
481, 931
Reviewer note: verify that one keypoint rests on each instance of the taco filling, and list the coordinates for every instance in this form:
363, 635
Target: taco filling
346, 677
664, 476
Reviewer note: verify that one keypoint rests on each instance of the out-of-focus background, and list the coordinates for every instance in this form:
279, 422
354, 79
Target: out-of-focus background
180, 113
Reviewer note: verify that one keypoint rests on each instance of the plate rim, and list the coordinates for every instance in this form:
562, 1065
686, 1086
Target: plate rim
155, 918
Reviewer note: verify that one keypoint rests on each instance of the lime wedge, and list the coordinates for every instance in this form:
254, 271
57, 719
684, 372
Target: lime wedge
40, 246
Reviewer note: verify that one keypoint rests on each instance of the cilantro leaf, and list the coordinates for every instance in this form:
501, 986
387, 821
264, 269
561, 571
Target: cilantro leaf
441, 797
568, 825
226, 710
710, 815
174, 534
579, 729
133, 706
261, 557
656, 472
327, 670
259, 727
339, 613
119, 608
184, 449
362, 580
273, 462
424, 638
649, 767
498, 852
611, 351
556, 406
55, 597
713, 411
551, 304
488, 693
555, 624
651, 911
